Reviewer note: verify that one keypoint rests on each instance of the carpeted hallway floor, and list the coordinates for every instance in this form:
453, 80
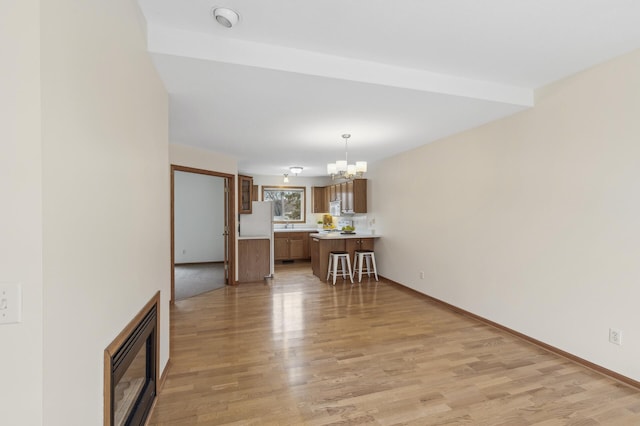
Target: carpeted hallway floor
199, 278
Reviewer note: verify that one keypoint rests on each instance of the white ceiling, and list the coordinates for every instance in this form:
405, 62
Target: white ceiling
281, 87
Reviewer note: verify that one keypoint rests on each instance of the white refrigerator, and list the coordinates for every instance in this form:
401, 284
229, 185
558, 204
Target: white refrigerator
259, 224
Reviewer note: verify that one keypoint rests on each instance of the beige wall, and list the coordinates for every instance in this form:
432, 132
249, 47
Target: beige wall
531, 221
105, 195
186, 156
21, 212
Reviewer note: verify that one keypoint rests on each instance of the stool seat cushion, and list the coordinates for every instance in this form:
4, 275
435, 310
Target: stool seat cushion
364, 251
338, 252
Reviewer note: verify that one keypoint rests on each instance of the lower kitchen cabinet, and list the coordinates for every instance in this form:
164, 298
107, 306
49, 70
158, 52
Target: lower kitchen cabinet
291, 245
360, 244
253, 260
320, 248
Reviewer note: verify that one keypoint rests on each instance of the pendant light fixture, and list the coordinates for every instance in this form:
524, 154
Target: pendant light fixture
342, 169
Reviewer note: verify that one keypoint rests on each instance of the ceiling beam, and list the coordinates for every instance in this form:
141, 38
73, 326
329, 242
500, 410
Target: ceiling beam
177, 42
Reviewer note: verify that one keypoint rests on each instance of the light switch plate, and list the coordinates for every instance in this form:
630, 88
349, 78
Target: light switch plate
10, 303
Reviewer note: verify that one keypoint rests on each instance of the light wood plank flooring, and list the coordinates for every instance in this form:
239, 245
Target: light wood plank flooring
296, 351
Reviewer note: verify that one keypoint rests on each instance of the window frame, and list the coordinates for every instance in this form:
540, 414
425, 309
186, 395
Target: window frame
303, 202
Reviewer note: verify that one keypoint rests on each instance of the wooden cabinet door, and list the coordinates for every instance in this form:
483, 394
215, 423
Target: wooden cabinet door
296, 248
353, 244
281, 248
349, 196
245, 194
343, 196
332, 193
350, 246
359, 195
320, 199
253, 260
366, 244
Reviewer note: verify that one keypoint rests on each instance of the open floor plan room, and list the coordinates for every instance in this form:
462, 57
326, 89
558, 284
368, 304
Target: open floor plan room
297, 351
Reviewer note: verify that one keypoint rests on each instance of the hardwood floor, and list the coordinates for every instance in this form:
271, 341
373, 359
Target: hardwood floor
297, 351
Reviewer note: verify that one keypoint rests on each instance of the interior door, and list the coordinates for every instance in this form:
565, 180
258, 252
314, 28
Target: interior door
225, 274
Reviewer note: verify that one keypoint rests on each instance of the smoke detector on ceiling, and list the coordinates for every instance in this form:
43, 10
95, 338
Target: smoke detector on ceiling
226, 17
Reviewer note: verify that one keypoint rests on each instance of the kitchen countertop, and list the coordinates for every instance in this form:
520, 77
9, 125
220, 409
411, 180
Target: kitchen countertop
341, 236
301, 229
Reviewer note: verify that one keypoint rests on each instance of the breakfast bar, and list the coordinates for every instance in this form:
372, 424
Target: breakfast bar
320, 244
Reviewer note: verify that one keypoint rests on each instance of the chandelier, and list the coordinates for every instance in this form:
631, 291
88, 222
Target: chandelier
341, 169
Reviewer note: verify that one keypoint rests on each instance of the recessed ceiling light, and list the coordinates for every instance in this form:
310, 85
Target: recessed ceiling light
226, 17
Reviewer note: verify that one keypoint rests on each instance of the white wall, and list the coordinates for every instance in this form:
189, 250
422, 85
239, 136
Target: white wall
198, 217
106, 199
531, 221
21, 213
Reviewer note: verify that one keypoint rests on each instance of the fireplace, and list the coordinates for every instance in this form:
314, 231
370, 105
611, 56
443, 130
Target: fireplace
131, 369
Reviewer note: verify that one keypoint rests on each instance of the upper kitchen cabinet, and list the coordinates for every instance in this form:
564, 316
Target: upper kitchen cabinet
320, 199
245, 194
358, 195
351, 194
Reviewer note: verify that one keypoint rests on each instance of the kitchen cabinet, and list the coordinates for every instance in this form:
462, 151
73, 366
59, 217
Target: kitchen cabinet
245, 194
351, 194
320, 199
291, 245
343, 196
358, 195
352, 245
253, 260
332, 193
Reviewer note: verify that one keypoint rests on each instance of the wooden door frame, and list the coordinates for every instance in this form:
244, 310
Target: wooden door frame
230, 214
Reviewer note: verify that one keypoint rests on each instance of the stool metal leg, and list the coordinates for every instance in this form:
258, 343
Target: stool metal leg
350, 272
368, 266
375, 269
329, 268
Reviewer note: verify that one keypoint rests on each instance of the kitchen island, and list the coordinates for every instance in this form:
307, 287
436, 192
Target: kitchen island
320, 244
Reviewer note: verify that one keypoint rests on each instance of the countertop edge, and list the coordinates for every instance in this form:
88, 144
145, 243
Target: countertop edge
339, 236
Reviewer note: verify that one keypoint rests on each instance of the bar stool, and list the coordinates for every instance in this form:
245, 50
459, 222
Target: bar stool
360, 257
334, 258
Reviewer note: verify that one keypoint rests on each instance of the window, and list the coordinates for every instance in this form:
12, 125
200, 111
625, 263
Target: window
288, 202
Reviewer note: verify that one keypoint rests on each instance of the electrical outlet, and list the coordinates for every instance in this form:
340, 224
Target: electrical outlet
422, 275
615, 336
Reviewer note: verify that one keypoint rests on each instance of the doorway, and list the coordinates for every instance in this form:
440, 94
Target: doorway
202, 216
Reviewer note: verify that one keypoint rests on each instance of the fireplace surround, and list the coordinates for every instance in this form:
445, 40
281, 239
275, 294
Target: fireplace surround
131, 369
